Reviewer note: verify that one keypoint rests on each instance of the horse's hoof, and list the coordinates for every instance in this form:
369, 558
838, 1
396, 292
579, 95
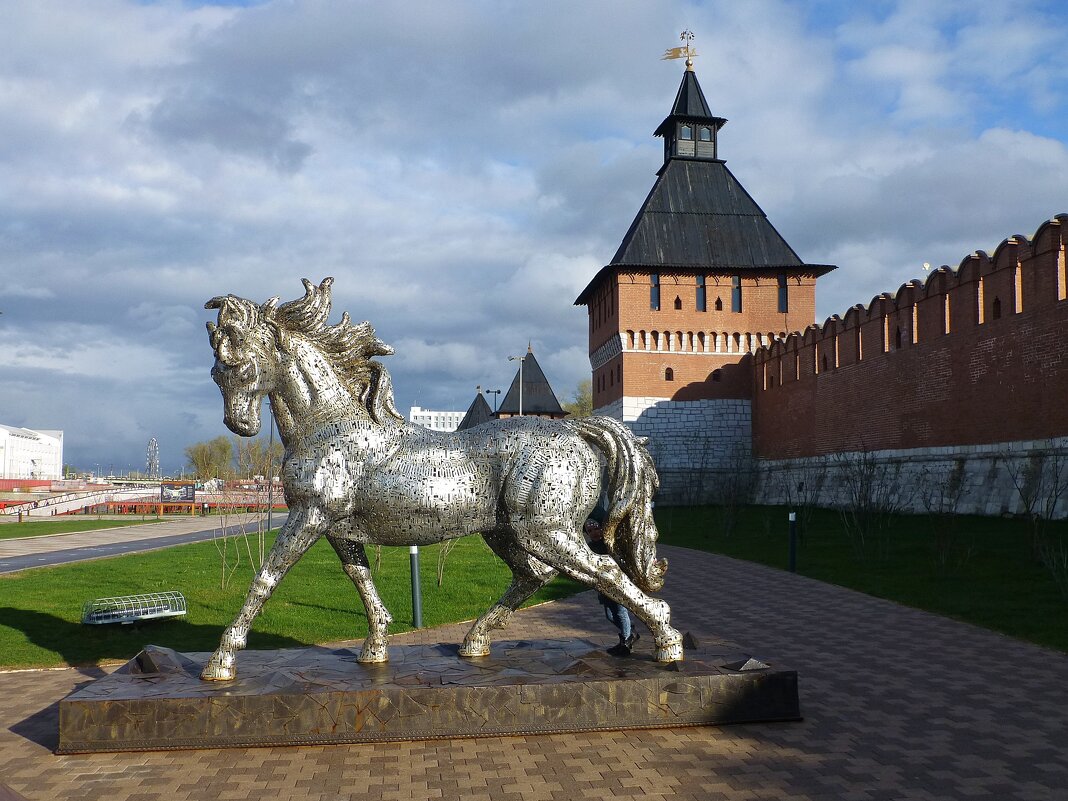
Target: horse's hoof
474, 650
373, 655
218, 670
670, 651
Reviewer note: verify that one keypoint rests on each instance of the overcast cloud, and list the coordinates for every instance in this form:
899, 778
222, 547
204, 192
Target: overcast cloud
463, 170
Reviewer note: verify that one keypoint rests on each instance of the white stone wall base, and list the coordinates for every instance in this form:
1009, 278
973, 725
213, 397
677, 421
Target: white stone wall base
701, 448
961, 479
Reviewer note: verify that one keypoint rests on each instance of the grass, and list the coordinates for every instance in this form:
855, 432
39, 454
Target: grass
37, 528
979, 570
976, 569
40, 610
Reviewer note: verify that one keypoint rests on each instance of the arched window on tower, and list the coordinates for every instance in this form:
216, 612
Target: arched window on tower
669, 374
678, 303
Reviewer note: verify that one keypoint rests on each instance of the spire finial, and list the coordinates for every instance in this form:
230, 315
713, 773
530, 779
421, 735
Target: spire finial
686, 51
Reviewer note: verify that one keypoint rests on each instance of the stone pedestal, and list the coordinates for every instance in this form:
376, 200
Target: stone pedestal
321, 695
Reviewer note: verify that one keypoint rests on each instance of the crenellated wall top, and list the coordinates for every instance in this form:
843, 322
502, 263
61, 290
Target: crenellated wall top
1029, 272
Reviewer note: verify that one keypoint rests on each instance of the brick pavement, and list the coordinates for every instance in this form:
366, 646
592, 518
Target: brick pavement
168, 527
899, 704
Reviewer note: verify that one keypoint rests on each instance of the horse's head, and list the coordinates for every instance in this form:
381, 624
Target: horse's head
261, 349
245, 360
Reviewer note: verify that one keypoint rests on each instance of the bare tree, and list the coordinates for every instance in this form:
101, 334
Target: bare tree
873, 497
1041, 481
941, 492
801, 488
737, 482
210, 459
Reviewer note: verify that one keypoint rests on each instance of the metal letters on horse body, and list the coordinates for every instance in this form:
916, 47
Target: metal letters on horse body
357, 473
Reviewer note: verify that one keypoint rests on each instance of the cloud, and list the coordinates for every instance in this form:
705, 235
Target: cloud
463, 171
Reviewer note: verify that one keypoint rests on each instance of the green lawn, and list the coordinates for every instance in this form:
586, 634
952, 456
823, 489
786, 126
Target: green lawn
40, 610
977, 569
66, 525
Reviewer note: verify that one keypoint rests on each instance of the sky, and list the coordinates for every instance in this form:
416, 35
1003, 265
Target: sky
463, 170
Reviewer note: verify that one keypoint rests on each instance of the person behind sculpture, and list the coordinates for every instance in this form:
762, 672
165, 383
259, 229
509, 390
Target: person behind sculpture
615, 612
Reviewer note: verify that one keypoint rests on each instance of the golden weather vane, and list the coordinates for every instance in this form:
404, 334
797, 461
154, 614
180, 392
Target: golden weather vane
686, 51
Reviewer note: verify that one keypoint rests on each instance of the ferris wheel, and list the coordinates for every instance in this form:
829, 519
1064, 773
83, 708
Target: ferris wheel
152, 459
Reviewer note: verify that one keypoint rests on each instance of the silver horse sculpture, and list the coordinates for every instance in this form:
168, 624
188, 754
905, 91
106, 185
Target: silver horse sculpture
357, 473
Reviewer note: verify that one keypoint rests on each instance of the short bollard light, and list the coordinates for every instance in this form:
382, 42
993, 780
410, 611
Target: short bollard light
793, 542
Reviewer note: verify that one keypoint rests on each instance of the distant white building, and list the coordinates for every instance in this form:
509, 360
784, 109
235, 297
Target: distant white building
437, 421
30, 454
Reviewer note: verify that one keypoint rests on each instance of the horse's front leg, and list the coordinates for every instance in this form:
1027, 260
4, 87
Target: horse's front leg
299, 532
354, 561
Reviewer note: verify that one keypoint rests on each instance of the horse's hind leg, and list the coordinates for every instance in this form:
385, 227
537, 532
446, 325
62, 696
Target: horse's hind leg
569, 554
528, 576
354, 562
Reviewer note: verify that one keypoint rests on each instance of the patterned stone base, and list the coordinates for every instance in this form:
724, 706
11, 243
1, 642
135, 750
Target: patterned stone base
318, 695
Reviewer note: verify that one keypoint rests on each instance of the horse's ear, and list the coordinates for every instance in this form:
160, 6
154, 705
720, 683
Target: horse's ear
214, 335
380, 401
270, 305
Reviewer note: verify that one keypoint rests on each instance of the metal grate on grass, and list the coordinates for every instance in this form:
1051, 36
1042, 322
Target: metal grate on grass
133, 608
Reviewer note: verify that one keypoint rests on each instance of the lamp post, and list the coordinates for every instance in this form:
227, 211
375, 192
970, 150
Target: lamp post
494, 393
519, 359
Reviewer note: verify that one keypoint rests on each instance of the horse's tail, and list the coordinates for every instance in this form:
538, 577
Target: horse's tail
629, 529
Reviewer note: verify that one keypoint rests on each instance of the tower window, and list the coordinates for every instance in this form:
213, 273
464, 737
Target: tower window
719, 304
685, 132
678, 302
705, 134
669, 374
784, 294
654, 292
701, 298
736, 293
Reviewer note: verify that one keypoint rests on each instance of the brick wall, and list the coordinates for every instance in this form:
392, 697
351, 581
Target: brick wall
633, 346
970, 357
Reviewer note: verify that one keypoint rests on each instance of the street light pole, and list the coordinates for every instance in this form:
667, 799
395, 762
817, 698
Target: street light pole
494, 393
519, 359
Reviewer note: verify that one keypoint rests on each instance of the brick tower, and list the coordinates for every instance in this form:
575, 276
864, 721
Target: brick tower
700, 280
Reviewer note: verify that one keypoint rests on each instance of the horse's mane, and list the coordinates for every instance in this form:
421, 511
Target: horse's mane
349, 347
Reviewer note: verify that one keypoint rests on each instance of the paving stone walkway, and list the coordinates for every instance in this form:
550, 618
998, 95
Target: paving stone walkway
21, 553
898, 704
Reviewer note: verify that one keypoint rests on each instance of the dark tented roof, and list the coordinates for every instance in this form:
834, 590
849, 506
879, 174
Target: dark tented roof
538, 396
698, 217
477, 414
689, 104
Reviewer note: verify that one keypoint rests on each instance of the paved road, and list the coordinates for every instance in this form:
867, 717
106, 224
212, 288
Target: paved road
899, 705
25, 552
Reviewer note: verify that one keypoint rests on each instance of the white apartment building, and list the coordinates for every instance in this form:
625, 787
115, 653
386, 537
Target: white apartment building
31, 454
435, 420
